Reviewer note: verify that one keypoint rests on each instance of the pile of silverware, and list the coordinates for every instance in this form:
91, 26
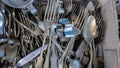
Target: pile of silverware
51, 34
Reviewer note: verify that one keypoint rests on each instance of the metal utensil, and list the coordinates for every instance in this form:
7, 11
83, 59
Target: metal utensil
2, 50
68, 5
54, 58
48, 19
11, 52
80, 51
89, 33
90, 8
30, 56
21, 4
70, 45
37, 30
75, 64
7, 20
1, 23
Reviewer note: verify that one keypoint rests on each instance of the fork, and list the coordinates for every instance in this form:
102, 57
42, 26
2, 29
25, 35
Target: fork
51, 18
35, 32
48, 19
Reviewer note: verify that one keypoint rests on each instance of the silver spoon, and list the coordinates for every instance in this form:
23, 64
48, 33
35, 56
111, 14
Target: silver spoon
11, 52
89, 33
21, 4
68, 6
90, 7
91, 10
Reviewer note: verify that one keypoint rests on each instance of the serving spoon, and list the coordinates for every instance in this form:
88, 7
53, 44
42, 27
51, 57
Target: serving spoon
89, 33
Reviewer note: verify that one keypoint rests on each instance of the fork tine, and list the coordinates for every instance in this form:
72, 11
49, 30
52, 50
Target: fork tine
51, 7
78, 18
47, 9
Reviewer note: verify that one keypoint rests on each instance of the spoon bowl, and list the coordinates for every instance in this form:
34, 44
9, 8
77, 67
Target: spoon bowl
18, 3
89, 33
90, 7
90, 29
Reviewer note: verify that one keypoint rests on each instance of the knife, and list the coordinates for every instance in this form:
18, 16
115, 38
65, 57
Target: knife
30, 56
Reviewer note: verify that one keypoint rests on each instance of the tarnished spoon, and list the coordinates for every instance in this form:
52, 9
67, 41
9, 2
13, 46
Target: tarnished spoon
89, 9
89, 33
68, 5
11, 52
2, 50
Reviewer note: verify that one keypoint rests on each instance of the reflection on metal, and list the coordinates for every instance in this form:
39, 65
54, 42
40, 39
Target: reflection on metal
21, 4
90, 29
30, 57
1, 23
66, 26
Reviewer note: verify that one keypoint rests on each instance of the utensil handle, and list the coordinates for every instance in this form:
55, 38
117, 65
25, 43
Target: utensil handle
29, 57
91, 56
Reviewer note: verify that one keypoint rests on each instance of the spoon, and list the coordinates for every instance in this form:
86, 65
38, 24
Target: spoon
89, 9
89, 33
68, 5
21, 4
11, 52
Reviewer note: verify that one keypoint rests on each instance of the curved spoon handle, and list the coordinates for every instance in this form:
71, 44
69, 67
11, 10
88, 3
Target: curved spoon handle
91, 57
95, 62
